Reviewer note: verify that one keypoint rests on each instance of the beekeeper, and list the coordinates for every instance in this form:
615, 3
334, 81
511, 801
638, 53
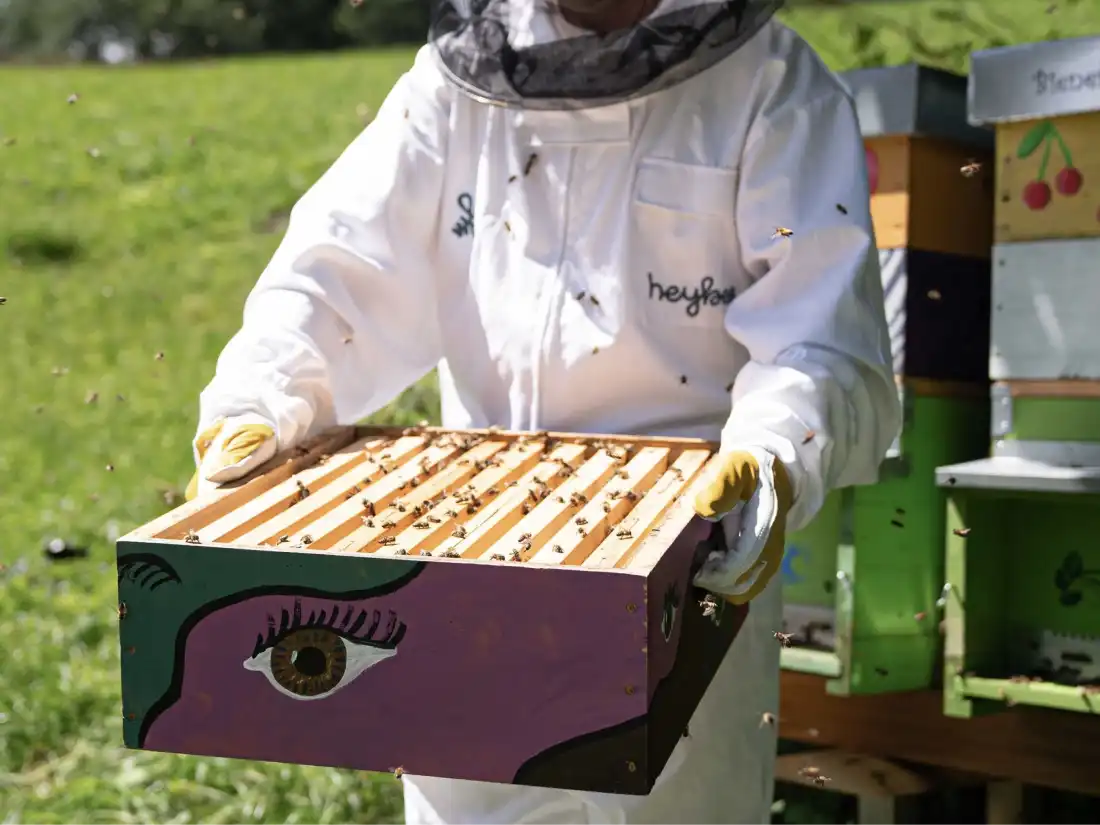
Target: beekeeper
602, 216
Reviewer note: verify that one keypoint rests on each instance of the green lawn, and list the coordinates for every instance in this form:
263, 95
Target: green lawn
149, 247
133, 222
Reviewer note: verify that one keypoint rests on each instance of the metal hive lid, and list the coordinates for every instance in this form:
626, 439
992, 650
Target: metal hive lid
1035, 80
912, 99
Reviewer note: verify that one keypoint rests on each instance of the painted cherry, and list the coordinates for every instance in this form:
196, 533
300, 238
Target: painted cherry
872, 168
1037, 195
1068, 181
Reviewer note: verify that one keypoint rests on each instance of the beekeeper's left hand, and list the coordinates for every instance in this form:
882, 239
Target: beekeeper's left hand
754, 485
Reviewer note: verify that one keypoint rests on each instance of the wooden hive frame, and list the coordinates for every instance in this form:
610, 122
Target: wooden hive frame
548, 569
478, 495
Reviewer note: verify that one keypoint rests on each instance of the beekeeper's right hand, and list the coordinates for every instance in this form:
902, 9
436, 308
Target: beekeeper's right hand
230, 449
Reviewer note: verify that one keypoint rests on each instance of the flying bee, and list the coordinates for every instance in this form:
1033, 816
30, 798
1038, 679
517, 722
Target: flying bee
767, 719
782, 232
970, 168
809, 436
783, 638
527, 167
397, 772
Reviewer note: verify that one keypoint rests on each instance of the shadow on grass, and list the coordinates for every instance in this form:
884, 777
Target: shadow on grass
39, 248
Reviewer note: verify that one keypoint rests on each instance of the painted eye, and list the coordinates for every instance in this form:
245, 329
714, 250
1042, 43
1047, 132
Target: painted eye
313, 663
668, 613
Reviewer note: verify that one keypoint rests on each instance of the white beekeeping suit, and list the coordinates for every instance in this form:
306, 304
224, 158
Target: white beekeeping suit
601, 256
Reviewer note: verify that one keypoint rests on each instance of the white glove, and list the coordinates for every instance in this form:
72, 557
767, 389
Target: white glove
229, 449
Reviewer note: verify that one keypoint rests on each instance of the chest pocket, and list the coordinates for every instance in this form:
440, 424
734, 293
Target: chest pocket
682, 219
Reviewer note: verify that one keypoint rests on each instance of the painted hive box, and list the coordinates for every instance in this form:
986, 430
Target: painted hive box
478, 605
1044, 102
932, 208
926, 166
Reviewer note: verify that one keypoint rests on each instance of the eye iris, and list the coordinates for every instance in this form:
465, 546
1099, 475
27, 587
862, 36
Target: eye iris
309, 662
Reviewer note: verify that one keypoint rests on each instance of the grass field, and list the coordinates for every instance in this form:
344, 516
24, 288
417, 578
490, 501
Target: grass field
132, 224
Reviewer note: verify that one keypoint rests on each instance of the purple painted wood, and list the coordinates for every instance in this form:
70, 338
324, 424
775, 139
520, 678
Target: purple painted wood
498, 664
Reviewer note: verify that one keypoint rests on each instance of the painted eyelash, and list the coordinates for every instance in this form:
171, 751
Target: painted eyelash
352, 630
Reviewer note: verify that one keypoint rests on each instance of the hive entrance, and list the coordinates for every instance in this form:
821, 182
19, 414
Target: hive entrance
543, 499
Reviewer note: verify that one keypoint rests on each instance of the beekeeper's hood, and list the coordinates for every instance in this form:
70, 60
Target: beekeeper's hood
524, 53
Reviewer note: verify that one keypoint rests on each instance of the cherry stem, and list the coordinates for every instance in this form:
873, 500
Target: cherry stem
1046, 160
1062, 145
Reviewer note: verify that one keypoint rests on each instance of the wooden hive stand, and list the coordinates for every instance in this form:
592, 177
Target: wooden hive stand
861, 581
405, 600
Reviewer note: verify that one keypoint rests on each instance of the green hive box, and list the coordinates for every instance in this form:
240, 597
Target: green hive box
861, 582
1022, 592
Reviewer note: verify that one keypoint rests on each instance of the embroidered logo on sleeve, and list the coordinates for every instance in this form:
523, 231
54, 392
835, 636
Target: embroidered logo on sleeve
693, 297
465, 225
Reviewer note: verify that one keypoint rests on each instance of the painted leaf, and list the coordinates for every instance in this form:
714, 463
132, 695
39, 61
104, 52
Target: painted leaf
1069, 598
1073, 565
1034, 139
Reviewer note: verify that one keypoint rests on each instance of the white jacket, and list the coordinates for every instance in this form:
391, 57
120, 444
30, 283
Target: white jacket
612, 270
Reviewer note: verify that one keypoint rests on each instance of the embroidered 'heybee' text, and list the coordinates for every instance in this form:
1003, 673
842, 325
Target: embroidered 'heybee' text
703, 295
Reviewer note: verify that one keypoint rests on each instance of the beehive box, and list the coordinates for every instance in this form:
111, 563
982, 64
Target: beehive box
1021, 619
927, 168
861, 581
1021, 595
477, 605
1043, 99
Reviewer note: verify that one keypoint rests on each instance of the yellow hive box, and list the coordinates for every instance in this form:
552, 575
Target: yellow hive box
1043, 100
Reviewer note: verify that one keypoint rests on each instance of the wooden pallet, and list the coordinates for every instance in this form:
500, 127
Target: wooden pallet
547, 569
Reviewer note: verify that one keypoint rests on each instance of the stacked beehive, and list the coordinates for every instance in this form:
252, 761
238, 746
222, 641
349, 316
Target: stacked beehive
861, 582
1022, 596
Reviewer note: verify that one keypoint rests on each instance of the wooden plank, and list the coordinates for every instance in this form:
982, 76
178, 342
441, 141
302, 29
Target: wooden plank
1035, 746
618, 548
1063, 215
851, 773
253, 513
1044, 324
575, 541
331, 496
1067, 388
592, 440
456, 508
933, 388
550, 514
329, 529
513, 504
675, 519
413, 507
948, 211
199, 512
1004, 802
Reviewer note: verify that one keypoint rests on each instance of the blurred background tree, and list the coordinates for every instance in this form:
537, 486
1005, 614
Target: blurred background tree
935, 32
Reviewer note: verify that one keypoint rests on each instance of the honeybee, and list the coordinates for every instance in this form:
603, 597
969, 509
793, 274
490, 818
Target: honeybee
782, 232
581, 520
122, 610
767, 719
450, 554
159, 356
624, 533
397, 772
970, 168
421, 525
459, 532
783, 638
515, 555
527, 167
386, 525
809, 436
192, 537
497, 557
307, 539
556, 549
387, 540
